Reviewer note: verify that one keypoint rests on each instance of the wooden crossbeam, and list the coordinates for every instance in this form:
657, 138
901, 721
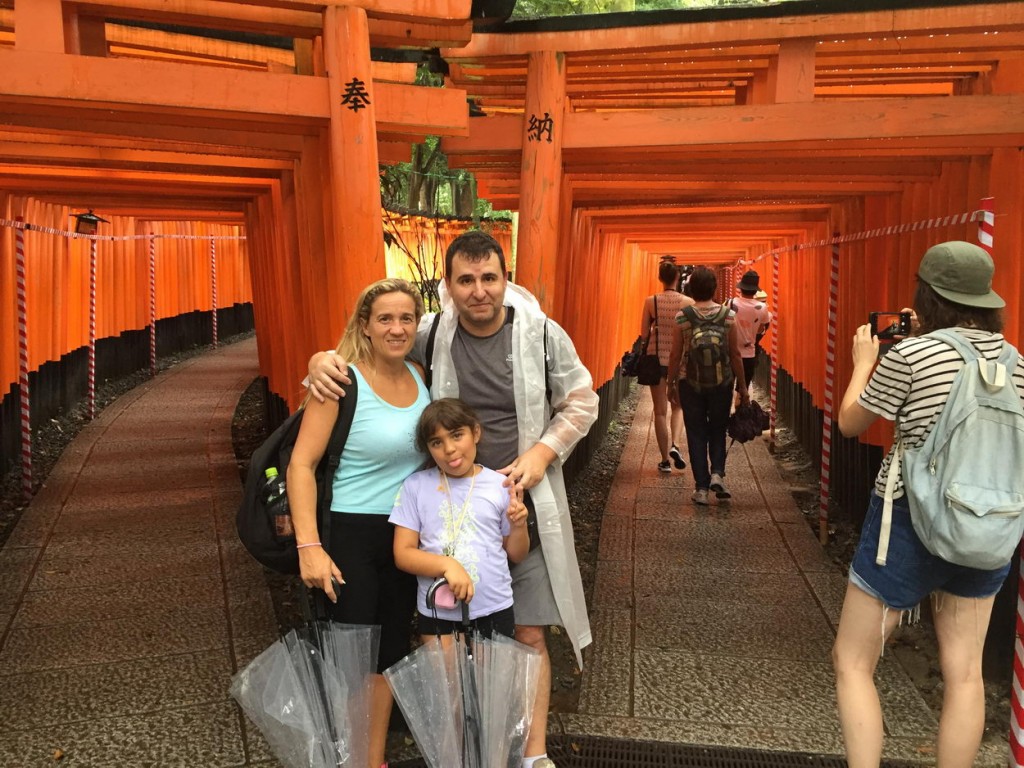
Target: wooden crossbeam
77, 81
276, 18
820, 27
870, 119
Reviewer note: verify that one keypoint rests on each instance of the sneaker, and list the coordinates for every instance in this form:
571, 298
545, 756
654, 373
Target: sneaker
664, 466
677, 457
700, 496
718, 486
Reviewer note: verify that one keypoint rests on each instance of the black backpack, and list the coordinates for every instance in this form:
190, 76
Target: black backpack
255, 522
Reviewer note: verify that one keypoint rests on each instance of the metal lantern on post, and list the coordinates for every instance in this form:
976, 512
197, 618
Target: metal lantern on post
86, 223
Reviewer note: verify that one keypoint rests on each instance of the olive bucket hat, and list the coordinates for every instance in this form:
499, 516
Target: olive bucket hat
962, 273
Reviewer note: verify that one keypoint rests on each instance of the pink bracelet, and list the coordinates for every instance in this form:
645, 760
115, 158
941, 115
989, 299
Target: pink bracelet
311, 544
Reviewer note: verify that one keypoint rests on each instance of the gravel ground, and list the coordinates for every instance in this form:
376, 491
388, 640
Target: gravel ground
914, 646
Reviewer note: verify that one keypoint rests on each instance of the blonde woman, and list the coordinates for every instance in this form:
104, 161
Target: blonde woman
379, 454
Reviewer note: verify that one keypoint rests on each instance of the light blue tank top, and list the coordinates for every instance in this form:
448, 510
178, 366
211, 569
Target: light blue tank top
380, 451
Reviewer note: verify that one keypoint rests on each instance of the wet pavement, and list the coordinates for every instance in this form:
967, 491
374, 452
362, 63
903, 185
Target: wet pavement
127, 603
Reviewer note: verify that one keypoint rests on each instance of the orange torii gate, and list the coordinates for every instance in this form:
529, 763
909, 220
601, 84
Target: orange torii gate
99, 112
603, 134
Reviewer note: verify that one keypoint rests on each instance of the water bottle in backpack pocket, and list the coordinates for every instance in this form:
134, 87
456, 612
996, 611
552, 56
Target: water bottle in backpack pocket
275, 500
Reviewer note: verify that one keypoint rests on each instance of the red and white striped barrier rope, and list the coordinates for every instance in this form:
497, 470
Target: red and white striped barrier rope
92, 331
152, 305
774, 374
26, 415
213, 282
16, 224
895, 229
830, 375
986, 223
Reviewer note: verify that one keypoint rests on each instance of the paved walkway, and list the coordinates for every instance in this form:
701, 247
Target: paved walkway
126, 602
714, 625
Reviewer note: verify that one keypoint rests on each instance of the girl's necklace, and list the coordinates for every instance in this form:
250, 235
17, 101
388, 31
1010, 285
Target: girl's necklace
455, 526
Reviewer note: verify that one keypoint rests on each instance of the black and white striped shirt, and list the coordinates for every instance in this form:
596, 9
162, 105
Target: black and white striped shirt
911, 384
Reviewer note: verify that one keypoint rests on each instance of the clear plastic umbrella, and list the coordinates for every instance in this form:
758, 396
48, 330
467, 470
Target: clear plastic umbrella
309, 694
468, 703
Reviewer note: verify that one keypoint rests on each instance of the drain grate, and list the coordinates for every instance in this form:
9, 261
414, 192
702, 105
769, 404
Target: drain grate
602, 752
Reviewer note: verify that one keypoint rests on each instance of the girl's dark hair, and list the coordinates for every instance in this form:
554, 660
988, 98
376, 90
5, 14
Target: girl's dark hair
935, 312
448, 412
668, 273
702, 284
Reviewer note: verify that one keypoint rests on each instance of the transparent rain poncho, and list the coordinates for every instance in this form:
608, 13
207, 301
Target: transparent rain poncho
309, 694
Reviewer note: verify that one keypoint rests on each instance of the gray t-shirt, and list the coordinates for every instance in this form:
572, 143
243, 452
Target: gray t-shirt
483, 367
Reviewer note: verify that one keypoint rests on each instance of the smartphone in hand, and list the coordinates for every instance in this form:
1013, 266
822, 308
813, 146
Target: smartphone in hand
890, 326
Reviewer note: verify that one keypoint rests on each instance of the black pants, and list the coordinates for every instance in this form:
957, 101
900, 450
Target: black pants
501, 622
749, 366
375, 591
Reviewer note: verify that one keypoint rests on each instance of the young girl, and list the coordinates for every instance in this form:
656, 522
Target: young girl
457, 520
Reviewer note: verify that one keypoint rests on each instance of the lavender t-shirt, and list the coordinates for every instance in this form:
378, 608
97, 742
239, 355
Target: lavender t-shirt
422, 505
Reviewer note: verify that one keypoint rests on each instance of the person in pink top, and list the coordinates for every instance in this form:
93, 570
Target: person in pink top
752, 320
659, 320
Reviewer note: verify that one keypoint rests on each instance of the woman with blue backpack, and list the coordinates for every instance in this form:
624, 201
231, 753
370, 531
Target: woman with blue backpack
945, 514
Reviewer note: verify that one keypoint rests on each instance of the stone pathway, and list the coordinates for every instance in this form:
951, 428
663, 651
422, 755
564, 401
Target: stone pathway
714, 625
127, 603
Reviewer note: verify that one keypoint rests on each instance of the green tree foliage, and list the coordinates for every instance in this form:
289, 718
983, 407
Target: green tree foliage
535, 9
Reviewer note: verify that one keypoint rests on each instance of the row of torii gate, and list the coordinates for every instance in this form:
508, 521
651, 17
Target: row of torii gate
714, 137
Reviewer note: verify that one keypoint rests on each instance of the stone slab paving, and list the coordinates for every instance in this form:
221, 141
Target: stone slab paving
714, 625
126, 601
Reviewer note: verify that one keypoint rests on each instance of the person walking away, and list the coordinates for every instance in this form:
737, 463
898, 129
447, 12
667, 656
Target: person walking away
457, 520
752, 320
379, 454
657, 321
705, 336
910, 386
534, 406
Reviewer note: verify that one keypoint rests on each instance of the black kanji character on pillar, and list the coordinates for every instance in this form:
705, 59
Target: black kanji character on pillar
355, 95
539, 126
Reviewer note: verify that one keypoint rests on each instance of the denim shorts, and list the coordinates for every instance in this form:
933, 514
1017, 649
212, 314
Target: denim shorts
912, 572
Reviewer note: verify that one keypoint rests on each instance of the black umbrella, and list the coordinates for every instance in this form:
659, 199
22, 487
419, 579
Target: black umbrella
747, 422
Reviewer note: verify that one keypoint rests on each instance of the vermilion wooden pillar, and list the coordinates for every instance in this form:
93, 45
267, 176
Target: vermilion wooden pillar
39, 26
358, 256
541, 176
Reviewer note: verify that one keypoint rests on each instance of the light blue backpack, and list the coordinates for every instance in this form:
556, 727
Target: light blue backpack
965, 484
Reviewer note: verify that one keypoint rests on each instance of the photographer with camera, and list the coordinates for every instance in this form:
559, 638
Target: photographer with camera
895, 566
